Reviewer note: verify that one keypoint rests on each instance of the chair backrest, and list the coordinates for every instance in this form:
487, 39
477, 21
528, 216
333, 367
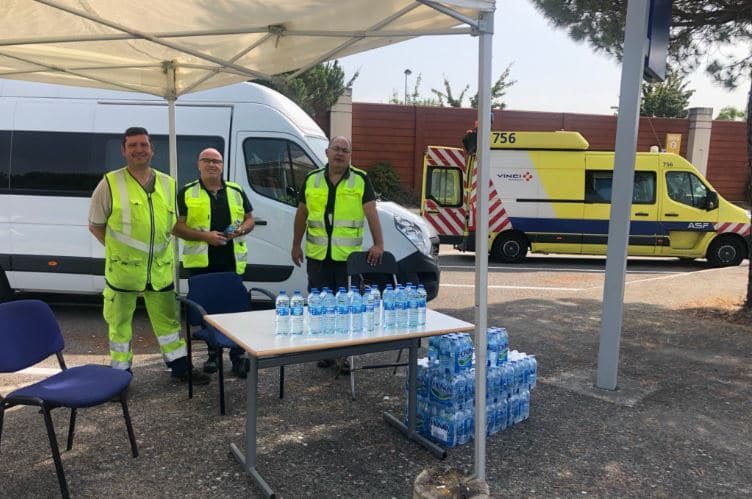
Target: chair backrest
29, 333
218, 293
357, 265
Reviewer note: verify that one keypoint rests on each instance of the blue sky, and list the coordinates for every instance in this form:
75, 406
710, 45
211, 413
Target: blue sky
553, 73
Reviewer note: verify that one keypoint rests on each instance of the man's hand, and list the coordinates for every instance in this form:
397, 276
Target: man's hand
215, 238
374, 255
297, 255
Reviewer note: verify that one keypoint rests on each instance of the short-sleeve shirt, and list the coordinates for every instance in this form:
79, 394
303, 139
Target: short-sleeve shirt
368, 195
221, 258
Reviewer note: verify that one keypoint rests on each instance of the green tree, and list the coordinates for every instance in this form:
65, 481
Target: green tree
447, 95
315, 90
666, 99
498, 90
730, 113
414, 97
699, 30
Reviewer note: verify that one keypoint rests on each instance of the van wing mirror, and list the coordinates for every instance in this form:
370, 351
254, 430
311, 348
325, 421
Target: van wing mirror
711, 201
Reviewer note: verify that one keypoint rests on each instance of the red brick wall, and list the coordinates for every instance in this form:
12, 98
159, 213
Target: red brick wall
400, 135
727, 159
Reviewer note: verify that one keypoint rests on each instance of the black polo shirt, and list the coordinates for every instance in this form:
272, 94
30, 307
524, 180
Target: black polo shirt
221, 258
368, 195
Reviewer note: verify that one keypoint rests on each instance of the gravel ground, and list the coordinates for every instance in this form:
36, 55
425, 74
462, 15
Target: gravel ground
678, 426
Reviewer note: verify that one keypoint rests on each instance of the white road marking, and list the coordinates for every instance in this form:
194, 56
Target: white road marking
596, 271
537, 288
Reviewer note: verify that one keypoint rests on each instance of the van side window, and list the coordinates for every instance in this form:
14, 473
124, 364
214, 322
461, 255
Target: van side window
444, 185
686, 188
598, 187
55, 162
276, 168
107, 151
72, 164
4, 161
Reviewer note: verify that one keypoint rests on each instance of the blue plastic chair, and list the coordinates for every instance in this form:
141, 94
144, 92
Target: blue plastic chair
29, 333
218, 293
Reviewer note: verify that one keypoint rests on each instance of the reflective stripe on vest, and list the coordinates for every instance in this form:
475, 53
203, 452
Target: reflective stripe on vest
347, 224
198, 204
138, 238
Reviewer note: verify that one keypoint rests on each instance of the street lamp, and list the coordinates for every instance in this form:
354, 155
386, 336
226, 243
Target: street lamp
407, 73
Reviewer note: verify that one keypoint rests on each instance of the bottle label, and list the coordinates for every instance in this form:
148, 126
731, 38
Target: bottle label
439, 432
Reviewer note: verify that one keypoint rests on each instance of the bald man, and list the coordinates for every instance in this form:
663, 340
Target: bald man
207, 208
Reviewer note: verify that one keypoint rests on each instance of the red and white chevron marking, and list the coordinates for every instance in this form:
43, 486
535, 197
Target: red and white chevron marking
445, 156
737, 228
498, 220
446, 221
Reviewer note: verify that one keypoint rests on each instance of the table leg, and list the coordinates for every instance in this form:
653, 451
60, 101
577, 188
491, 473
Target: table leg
248, 460
412, 404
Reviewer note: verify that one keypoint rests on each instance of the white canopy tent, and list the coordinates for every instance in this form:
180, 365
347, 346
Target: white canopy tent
172, 47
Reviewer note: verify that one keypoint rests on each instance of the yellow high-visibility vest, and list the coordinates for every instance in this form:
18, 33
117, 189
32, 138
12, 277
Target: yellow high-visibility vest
347, 224
198, 203
138, 239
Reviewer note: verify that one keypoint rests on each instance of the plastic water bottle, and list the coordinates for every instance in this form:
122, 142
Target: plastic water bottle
492, 347
342, 319
524, 405
330, 311
282, 306
376, 297
389, 307
422, 299
369, 317
532, 367
356, 310
503, 345
297, 308
315, 312
412, 306
401, 307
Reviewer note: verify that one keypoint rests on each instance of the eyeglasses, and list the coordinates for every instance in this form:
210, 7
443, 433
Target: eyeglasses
211, 161
344, 150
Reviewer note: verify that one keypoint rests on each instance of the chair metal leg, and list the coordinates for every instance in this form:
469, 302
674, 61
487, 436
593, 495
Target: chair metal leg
399, 354
55, 452
352, 377
221, 369
281, 382
128, 425
2, 414
71, 429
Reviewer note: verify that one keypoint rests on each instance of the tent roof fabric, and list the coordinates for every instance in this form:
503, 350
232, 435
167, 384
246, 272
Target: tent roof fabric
129, 46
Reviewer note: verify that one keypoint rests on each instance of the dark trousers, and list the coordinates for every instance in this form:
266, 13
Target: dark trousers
326, 273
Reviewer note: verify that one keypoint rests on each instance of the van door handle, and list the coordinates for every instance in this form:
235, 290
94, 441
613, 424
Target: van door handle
432, 212
671, 214
259, 221
642, 214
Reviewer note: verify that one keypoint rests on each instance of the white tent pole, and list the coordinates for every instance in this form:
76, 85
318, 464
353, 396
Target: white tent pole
485, 53
171, 96
635, 44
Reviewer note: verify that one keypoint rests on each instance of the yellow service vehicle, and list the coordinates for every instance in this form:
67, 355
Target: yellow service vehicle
549, 194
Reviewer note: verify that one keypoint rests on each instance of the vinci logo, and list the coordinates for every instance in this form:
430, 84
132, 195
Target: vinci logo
516, 177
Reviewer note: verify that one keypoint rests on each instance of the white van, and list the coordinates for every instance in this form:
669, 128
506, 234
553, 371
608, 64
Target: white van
56, 143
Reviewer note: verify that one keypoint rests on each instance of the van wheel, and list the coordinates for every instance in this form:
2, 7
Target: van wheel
6, 294
726, 251
509, 247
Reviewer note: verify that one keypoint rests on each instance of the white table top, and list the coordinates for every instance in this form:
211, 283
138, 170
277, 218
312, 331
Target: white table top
254, 332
